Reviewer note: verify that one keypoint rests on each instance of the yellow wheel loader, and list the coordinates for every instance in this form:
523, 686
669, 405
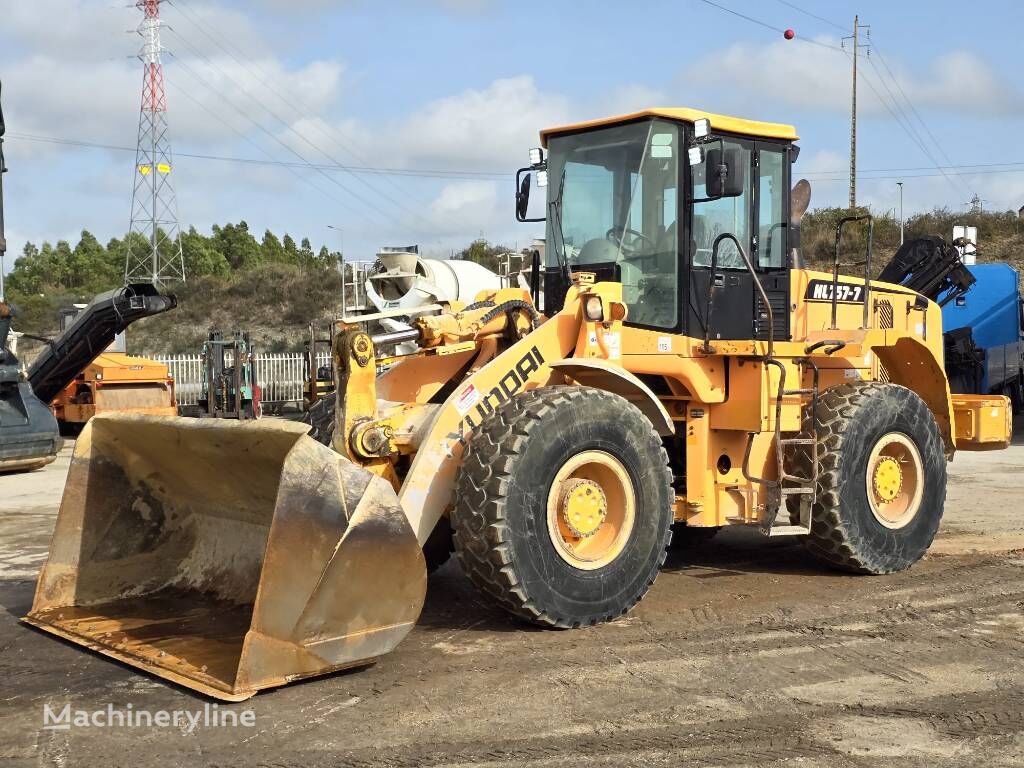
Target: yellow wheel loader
674, 363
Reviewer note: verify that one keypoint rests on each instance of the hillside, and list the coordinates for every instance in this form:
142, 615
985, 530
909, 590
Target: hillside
271, 287
274, 302
1000, 236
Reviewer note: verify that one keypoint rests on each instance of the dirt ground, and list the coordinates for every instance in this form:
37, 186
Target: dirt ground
746, 652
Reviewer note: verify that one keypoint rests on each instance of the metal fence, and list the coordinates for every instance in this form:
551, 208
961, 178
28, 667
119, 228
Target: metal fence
280, 375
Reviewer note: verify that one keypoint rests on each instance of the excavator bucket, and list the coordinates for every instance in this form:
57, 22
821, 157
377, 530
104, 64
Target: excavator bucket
227, 556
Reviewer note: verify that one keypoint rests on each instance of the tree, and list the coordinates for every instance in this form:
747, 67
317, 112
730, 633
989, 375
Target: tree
235, 243
291, 251
27, 275
273, 251
483, 253
200, 256
90, 268
306, 253
62, 257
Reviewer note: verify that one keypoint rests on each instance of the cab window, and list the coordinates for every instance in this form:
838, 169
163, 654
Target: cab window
612, 201
771, 241
712, 218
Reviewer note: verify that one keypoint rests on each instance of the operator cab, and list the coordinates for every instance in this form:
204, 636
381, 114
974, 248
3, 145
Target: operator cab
641, 199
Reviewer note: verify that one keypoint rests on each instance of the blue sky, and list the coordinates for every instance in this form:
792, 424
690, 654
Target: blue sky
457, 90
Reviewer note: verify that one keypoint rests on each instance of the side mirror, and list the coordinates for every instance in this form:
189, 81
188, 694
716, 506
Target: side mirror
523, 197
726, 173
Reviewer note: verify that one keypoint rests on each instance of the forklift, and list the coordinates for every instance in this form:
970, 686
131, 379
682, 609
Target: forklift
230, 389
318, 380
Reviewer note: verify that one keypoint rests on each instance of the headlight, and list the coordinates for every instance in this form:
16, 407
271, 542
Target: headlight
594, 308
542, 178
536, 156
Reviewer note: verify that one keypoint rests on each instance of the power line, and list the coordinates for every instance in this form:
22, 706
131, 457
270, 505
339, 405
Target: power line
334, 134
913, 109
199, 78
742, 15
292, 167
910, 172
907, 131
316, 147
766, 25
835, 24
909, 127
822, 44
892, 76
843, 176
380, 171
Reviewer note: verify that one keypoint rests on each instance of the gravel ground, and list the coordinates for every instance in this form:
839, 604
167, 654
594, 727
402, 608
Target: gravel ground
746, 652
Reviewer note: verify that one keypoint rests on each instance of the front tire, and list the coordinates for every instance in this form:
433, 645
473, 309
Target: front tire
563, 506
882, 478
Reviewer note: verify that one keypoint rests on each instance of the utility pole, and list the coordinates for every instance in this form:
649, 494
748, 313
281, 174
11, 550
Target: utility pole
853, 110
900, 185
154, 206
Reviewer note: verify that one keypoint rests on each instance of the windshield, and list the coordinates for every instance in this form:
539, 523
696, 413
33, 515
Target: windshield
613, 204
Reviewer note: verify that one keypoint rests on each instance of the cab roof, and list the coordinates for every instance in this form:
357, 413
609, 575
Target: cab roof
739, 125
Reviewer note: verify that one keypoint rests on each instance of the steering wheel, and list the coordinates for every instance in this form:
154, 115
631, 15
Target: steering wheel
618, 236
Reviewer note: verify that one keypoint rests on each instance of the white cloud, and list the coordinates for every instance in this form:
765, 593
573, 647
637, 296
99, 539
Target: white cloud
484, 128
465, 200
631, 97
786, 75
822, 161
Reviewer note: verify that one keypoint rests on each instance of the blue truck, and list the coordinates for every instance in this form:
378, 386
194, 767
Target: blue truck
984, 335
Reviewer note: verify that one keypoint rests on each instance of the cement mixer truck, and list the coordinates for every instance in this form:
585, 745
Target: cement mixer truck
399, 286
402, 283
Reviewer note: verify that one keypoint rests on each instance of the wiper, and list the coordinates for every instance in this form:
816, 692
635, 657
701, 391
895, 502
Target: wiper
555, 212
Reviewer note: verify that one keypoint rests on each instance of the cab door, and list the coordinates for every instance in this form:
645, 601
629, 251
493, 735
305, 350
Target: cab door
770, 244
758, 218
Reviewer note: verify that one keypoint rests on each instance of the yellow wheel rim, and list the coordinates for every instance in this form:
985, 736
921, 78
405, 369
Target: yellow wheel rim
591, 510
895, 480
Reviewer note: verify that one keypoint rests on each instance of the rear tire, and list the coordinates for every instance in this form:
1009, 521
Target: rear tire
523, 530
320, 418
882, 478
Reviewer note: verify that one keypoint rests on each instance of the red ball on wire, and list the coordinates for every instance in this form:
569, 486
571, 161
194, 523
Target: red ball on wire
789, 34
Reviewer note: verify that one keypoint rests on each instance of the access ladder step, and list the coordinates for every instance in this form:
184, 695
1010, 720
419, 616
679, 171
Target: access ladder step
798, 441
786, 530
804, 391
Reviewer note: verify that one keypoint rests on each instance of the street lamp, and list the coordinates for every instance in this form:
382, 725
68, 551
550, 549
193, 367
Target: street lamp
900, 185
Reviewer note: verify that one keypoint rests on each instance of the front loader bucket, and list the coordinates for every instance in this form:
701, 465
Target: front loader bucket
227, 556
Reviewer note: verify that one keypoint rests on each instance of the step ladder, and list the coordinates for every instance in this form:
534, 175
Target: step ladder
788, 485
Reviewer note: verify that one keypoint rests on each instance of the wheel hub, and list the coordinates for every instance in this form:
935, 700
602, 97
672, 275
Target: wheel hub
591, 510
584, 507
895, 480
888, 479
